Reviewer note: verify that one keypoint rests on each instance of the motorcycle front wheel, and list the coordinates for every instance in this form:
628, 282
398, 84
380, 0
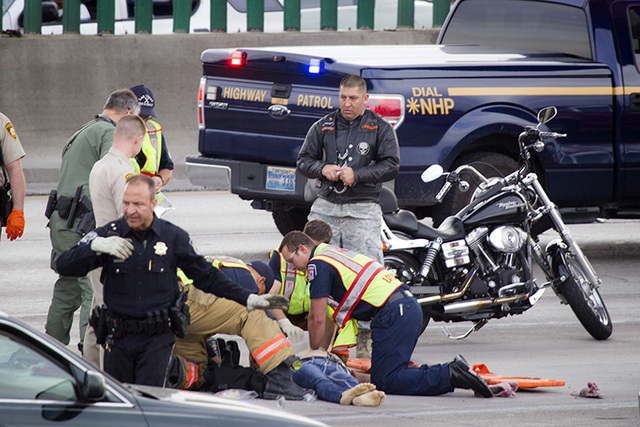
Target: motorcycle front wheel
585, 301
405, 267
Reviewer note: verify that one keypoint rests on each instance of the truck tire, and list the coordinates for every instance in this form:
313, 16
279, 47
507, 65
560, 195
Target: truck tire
289, 219
489, 164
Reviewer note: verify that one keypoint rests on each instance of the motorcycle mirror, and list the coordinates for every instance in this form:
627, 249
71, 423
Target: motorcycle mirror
547, 114
432, 173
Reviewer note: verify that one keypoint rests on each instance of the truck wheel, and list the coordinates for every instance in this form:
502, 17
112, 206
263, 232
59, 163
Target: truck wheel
489, 164
289, 219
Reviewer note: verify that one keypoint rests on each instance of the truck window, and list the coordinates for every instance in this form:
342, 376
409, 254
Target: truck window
634, 24
160, 7
312, 4
6, 4
531, 25
269, 5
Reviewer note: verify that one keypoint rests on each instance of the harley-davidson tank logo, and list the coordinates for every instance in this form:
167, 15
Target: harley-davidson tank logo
279, 112
511, 204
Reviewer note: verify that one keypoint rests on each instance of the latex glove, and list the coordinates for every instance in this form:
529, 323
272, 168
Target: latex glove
113, 245
292, 332
15, 224
267, 302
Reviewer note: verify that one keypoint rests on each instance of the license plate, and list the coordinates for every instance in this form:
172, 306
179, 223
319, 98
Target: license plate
281, 178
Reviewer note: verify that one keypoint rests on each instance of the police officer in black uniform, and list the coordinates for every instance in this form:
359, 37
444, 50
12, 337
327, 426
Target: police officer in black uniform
139, 254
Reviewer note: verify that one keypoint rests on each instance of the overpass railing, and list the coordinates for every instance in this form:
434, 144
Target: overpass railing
105, 15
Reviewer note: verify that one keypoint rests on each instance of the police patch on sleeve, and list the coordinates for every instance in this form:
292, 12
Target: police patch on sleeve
311, 271
87, 238
11, 130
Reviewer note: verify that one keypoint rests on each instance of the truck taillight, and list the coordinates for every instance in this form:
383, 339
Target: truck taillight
238, 58
203, 83
390, 107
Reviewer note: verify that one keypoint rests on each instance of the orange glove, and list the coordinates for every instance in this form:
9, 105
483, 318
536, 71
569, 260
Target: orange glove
15, 224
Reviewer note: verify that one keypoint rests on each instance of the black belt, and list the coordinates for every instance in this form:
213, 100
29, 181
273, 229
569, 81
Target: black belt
398, 295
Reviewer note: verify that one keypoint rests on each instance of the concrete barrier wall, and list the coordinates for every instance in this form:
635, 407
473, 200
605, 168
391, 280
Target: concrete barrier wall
51, 85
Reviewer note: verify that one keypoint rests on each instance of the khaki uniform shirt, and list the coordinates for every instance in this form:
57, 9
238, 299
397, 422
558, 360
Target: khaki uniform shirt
106, 183
9, 143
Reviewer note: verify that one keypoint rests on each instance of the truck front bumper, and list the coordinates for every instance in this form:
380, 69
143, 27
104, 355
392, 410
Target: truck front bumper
250, 180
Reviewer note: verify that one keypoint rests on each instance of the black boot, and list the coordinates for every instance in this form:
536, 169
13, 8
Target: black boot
280, 382
461, 376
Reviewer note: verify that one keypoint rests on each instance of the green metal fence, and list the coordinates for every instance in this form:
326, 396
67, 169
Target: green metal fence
105, 15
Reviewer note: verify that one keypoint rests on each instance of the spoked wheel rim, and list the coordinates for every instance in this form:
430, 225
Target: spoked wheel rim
592, 297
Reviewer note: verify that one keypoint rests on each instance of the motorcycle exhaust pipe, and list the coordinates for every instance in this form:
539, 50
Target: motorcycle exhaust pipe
469, 306
435, 299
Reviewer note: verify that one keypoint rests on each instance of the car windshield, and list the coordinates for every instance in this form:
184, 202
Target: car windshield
531, 25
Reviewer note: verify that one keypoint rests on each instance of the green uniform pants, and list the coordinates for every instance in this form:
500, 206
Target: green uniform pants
69, 293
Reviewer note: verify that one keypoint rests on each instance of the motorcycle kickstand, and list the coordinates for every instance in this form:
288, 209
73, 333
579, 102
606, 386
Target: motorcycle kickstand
476, 327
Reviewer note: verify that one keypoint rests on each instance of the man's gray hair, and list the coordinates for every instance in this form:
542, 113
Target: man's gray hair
123, 100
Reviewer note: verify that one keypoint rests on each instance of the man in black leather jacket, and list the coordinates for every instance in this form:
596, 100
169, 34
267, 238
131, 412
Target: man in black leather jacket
351, 152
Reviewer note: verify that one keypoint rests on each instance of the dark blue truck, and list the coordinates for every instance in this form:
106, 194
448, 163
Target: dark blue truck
462, 100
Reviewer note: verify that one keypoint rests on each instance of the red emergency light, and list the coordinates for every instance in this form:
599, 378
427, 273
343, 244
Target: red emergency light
238, 58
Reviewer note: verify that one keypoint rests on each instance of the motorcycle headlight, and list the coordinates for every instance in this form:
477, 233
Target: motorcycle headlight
507, 239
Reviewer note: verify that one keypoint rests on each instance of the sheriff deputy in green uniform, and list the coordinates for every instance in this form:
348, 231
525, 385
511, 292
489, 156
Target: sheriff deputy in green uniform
70, 211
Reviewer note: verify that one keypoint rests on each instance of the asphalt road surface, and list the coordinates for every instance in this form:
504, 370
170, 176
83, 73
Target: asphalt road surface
547, 341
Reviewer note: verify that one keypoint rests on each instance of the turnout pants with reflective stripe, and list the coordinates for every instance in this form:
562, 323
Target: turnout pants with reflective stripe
396, 328
268, 345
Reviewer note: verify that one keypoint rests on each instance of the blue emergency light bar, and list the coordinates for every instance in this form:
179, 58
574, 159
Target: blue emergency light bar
316, 66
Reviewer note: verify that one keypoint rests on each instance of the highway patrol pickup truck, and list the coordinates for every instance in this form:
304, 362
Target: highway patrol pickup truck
463, 100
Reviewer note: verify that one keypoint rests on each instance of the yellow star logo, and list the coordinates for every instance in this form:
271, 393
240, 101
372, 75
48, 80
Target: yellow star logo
412, 106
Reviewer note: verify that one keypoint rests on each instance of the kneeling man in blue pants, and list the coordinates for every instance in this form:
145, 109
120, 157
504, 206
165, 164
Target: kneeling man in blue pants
362, 289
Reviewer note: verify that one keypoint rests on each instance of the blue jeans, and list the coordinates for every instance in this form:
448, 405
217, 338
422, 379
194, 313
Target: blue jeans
328, 378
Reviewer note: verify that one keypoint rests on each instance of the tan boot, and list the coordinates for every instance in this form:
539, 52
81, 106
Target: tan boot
363, 344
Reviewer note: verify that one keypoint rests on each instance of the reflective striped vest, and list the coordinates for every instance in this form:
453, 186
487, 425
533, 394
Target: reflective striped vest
363, 278
294, 286
152, 149
226, 261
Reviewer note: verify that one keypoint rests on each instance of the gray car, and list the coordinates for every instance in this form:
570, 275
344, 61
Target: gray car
42, 382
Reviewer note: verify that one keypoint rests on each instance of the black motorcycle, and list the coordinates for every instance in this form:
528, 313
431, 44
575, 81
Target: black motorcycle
478, 264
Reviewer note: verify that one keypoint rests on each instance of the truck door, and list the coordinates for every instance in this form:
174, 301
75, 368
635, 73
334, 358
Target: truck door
627, 34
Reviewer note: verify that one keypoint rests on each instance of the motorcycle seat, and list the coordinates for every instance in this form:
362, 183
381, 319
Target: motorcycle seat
450, 229
402, 220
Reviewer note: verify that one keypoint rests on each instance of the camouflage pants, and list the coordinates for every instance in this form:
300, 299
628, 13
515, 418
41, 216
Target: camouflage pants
356, 226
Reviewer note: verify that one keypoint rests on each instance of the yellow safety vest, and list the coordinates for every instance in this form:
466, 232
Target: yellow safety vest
363, 278
294, 286
152, 149
226, 261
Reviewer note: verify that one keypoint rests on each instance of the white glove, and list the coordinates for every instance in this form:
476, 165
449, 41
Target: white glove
267, 302
113, 245
292, 332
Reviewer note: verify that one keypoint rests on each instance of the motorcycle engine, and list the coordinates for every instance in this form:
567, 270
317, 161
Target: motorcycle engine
496, 258
492, 284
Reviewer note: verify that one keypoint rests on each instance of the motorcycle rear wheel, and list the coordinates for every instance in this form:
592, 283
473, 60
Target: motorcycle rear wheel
585, 301
405, 267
